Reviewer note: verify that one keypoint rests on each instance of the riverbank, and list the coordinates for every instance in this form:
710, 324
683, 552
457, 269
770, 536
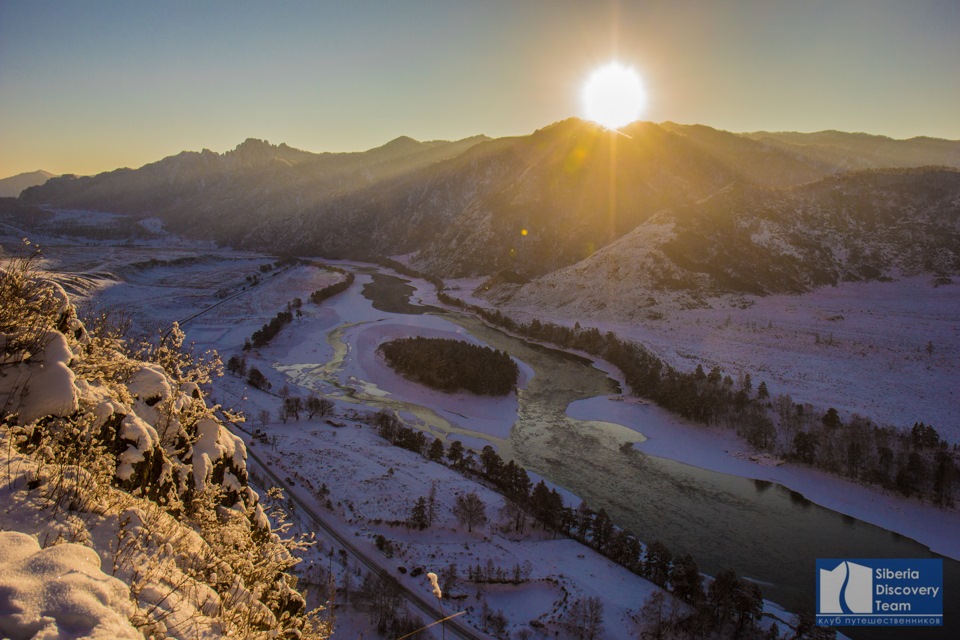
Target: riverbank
714, 449
669, 436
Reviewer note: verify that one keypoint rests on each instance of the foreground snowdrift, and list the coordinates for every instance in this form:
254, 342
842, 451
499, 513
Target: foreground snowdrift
57, 588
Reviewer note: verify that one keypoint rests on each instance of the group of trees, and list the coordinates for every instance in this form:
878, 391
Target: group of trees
452, 365
657, 563
382, 595
410, 272
262, 336
923, 466
257, 380
510, 478
915, 463
291, 406
728, 604
325, 293
495, 574
694, 395
728, 600
237, 365
730, 607
391, 429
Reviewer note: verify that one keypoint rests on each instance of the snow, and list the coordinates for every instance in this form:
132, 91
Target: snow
57, 520
214, 443
153, 543
47, 371
205, 451
59, 592
858, 347
373, 483
143, 438
150, 382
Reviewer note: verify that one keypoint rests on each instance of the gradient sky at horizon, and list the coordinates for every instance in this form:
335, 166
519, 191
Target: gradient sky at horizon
90, 86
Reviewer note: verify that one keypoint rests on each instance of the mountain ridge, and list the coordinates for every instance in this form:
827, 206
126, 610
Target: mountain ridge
527, 204
12, 187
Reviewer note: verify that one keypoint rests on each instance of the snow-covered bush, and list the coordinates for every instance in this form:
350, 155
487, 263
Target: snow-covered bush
118, 449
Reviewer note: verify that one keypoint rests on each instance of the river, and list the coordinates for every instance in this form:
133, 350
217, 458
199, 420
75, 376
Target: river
762, 530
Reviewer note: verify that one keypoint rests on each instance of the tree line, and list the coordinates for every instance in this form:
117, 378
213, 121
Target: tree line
452, 365
328, 292
410, 272
727, 602
262, 336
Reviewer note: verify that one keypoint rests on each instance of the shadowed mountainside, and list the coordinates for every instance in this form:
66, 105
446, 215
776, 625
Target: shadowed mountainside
870, 225
12, 186
528, 205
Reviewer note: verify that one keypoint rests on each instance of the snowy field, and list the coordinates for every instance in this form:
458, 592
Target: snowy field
859, 347
374, 487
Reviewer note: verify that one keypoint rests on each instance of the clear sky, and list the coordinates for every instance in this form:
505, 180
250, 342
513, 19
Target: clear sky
88, 86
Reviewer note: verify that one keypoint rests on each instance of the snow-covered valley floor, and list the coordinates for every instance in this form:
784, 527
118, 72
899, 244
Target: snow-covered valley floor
886, 350
372, 483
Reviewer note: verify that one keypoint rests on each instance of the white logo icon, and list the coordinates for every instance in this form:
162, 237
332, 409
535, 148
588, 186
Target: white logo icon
846, 589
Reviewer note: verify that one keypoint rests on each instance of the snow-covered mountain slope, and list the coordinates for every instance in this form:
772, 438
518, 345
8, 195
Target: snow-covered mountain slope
771, 283
225, 196
745, 240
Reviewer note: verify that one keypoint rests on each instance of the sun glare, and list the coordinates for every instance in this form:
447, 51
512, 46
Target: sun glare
613, 96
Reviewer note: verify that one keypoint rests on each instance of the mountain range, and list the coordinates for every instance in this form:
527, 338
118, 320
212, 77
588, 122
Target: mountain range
671, 206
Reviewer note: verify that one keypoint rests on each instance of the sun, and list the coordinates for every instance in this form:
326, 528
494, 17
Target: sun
613, 96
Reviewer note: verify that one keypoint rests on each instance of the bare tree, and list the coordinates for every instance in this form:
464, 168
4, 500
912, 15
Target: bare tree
585, 618
292, 407
470, 510
656, 617
316, 406
384, 595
